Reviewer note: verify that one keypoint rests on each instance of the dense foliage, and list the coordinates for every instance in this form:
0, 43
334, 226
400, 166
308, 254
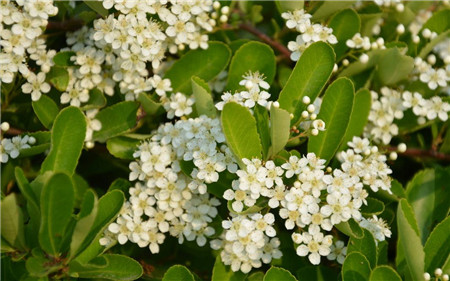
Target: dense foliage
234, 140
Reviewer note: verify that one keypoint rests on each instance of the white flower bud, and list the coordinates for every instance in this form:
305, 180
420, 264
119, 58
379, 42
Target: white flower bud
447, 59
367, 152
291, 116
376, 29
431, 59
276, 104
421, 120
313, 116
374, 45
306, 100
416, 39
314, 132
223, 18
329, 169
445, 277
305, 114
311, 108
380, 41
345, 62
335, 68
248, 84
364, 58
374, 149
400, 29
4, 126
216, 5
433, 35
89, 144
426, 33
214, 15
393, 156
400, 8
438, 272
426, 276
401, 147
225, 10
31, 140
181, 47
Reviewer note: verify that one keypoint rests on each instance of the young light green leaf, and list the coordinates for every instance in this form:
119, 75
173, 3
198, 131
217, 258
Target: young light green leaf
278, 273
239, 127
330, 7
437, 247
439, 21
335, 111
356, 267
359, 116
393, 66
365, 245
46, 110
383, 273
286, 5
252, 56
308, 78
12, 222
203, 99
279, 128
150, 106
345, 24
351, 228
67, 140
63, 58
97, 6
410, 240
122, 147
222, 272
107, 266
178, 273
205, 64
116, 119
57, 202
58, 77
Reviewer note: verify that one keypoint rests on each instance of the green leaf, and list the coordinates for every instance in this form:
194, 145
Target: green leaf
205, 64
239, 127
178, 273
277, 274
256, 276
68, 134
262, 125
203, 99
439, 21
63, 58
330, 7
279, 128
365, 245
335, 111
351, 228
394, 67
437, 247
116, 119
286, 5
108, 208
359, 116
383, 273
150, 106
410, 240
42, 144
97, 6
308, 78
345, 24
222, 272
429, 47
25, 188
355, 268
96, 100
57, 202
40, 266
373, 207
46, 110
58, 77
81, 186
316, 273
107, 266
122, 147
252, 56
12, 222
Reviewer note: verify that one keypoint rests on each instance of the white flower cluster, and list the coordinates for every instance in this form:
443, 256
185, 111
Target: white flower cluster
22, 23
416, 26
10, 148
255, 94
443, 50
438, 275
309, 196
377, 226
248, 241
392, 104
167, 201
310, 33
433, 77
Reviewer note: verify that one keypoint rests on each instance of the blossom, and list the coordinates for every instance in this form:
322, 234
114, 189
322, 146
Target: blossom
36, 85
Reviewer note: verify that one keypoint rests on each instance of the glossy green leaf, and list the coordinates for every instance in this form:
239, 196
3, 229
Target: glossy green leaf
203, 99
205, 64
355, 268
365, 245
316, 273
383, 273
279, 128
262, 125
96, 100
351, 228
256, 276
63, 58
25, 188
308, 78
394, 67
330, 7
12, 222
410, 240
42, 144
97, 6
57, 202
335, 111
358, 117
252, 56
67, 140
345, 24
58, 77
239, 127
439, 21
278, 273
437, 247
373, 207
150, 106
122, 147
286, 5
430, 45
40, 266
222, 272
178, 273
46, 110
120, 184
108, 266
116, 119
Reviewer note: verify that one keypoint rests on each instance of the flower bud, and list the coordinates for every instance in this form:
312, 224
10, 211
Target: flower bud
305, 114
400, 8
400, 29
223, 18
345, 62
306, 100
4, 126
225, 10
216, 5
89, 144
416, 39
426, 33
438, 272
393, 156
31, 140
311, 108
364, 58
401, 147
313, 116
426, 276
374, 149
314, 132
431, 59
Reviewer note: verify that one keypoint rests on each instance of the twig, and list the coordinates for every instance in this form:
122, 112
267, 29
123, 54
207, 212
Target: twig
14, 132
68, 25
417, 152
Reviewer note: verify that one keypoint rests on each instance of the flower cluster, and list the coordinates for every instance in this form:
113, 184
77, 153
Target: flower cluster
248, 241
10, 148
309, 32
392, 104
433, 77
377, 226
173, 169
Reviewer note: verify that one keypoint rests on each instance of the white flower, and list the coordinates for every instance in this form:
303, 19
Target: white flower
434, 78
178, 105
377, 226
36, 85
253, 81
297, 47
75, 96
297, 19
314, 246
252, 98
338, 251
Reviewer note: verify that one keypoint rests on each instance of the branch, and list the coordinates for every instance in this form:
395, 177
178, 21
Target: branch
274, 44
417, 152
68, 25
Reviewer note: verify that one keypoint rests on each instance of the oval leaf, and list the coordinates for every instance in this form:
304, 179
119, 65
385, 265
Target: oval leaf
365, 245
203, 99
178, 273
437, 248
279, 128
12, 222
277, 273
345, 24
46, 110
383, 273
355, 268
